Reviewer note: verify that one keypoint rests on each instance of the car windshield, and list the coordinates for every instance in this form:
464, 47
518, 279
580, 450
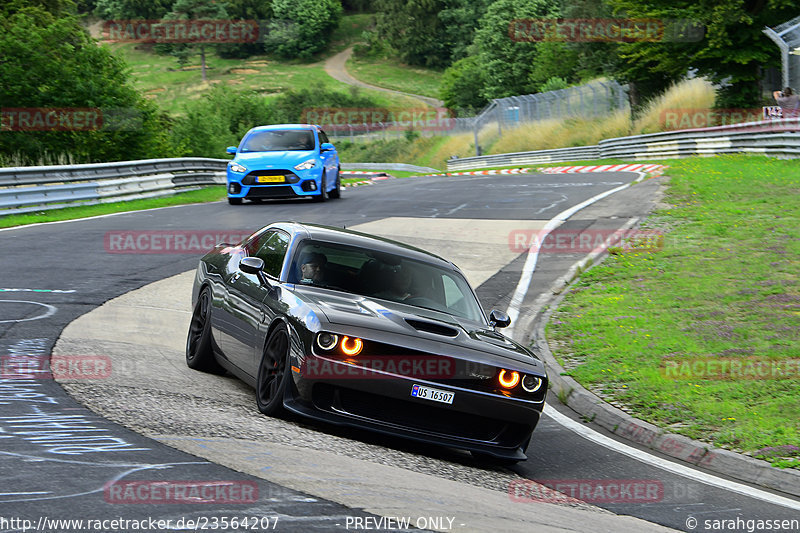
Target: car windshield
278, 140
386, 276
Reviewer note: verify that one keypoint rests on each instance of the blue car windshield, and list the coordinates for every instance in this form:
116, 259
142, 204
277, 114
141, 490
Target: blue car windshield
278, 140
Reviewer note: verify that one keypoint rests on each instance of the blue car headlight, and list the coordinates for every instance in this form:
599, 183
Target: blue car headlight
305, 165
236, 167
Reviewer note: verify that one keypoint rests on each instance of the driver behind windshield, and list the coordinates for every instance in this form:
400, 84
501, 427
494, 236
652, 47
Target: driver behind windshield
311, 268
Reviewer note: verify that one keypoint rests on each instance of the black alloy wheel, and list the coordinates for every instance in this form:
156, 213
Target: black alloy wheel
199, 345
322, 194
337, 191
273, 374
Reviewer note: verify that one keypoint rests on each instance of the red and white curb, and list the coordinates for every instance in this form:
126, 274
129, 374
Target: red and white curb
486, 172
652, 169
377, 176
638, 167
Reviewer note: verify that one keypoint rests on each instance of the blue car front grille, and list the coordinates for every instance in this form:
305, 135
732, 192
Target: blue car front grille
250, 177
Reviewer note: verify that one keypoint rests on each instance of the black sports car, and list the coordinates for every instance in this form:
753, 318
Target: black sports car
358, 330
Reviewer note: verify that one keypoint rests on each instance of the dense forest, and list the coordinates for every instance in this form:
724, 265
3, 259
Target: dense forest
486, 49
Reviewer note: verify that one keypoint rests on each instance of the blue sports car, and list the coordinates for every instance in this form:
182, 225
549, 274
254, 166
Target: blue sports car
283, 161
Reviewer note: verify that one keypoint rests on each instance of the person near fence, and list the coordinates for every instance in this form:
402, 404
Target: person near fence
789, 102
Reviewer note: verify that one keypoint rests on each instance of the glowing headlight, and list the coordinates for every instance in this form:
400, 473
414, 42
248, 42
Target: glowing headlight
352, 346
326, 341
531, 383
305, 165
508, 379
236, 167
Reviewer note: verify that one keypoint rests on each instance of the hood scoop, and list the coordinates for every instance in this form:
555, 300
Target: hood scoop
432, 327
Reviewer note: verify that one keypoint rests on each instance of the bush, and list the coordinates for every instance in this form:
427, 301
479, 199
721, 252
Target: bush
51, 62
302, 27
461, 86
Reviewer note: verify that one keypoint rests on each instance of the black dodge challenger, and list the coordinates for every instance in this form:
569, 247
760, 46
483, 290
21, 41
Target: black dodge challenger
357, 330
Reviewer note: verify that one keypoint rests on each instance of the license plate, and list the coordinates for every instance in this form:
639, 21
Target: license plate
436, 395
269, 179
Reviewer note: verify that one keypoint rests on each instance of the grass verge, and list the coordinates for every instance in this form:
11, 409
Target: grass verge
392, 74
207, 194
645, 329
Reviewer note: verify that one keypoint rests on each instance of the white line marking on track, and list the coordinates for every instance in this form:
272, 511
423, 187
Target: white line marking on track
681, 470
530, 262
58, 291
50, 311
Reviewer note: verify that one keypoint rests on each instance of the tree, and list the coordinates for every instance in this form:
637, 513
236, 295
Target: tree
507, 60
462, 86
195, 10
431, 33
260, 10
47, 61
132, 9
459, 19
731, 53
302, 27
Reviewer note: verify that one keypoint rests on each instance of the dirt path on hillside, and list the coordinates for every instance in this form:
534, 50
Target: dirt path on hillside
335, 67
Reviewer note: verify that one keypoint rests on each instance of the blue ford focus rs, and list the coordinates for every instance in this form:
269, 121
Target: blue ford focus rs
283, 161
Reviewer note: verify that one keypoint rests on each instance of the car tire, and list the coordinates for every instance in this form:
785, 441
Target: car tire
199, 345
273, 372
323, 195
234, 201
336, 192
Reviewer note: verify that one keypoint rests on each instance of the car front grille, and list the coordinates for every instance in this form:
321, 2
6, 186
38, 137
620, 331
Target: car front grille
276, 191
416, 416
250, 177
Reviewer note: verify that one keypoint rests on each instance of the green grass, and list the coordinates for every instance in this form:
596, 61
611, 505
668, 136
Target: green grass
161, 79
725, 285
392, 74
207, 194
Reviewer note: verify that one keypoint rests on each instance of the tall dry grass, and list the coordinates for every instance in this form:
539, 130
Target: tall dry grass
692, 94
697, 93
562, 133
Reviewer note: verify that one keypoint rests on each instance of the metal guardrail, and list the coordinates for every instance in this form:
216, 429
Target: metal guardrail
526, 158
776, 138
28, 189
387, 166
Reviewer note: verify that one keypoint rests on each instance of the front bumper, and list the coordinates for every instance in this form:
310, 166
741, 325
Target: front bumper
477, 421
295, 184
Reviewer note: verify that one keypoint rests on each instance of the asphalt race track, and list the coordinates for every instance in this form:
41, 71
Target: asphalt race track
153, 420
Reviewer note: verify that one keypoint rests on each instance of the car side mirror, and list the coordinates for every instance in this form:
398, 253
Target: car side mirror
255, 266
251, 265
326, 147
499, 319
231, 149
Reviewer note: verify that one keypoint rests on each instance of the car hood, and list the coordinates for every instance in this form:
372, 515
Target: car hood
276, 159
417, 328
